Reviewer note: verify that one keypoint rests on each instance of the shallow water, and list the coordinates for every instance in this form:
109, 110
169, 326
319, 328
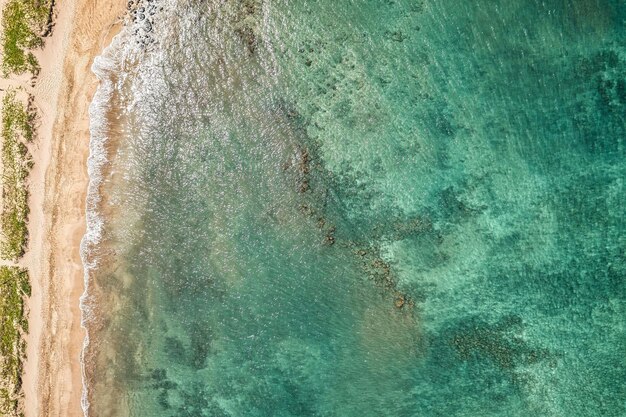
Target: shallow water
364, 208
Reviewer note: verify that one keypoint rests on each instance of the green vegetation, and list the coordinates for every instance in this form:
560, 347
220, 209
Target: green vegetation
14, 286
24, 22
17, 130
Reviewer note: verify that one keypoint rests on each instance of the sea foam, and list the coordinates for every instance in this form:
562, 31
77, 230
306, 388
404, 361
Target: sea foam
110, 69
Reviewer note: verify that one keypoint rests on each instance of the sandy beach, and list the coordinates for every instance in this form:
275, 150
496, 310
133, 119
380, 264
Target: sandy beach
58, 184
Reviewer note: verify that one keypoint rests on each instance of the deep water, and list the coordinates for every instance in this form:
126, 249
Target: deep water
363, 208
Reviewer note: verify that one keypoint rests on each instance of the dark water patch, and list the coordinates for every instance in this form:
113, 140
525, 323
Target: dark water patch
247, 15
499, 343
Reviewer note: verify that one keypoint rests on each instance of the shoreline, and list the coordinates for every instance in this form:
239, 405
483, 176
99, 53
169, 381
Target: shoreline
52, 380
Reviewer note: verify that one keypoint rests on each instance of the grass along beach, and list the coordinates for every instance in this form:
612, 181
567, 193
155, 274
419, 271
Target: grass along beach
46, 89
24, 25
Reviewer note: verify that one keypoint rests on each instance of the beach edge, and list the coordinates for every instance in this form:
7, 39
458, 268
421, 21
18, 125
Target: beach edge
63, 92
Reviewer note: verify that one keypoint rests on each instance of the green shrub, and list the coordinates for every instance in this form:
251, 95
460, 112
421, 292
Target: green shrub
23, 22
17, 128
13, 326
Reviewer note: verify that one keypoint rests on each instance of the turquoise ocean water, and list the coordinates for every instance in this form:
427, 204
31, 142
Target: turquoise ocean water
359, 208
